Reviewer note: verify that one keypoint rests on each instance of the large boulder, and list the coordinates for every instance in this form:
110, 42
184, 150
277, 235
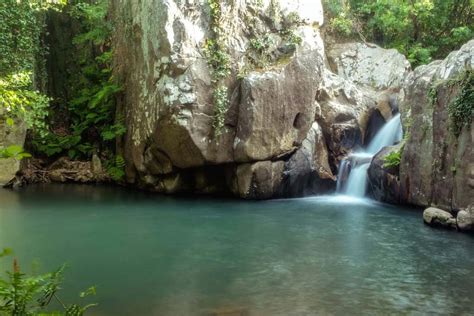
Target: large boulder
436, 217
369, 65
437, 165
169, 85
277, 109
342, 112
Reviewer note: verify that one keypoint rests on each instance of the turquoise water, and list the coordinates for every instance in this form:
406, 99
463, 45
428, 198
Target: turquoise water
153, 255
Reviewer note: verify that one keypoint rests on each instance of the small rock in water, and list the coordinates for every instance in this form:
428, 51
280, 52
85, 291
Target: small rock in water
436, 217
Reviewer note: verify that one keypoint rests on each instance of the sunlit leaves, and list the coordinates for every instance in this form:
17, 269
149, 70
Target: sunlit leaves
421, 29
13, 151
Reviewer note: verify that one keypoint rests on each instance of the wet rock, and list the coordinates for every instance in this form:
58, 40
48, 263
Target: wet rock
376, 122
465, 219
307, 171
260, 180
384, 181
438, 218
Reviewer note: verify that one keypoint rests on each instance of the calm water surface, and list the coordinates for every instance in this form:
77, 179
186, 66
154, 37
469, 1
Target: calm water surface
152, 255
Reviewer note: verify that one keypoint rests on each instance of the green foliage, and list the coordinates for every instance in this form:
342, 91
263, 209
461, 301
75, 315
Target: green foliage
24, 295
288, 33
421, 29
93, 125
14, 151
19, 100
19, 36
461, 110
217, 59
393, 159
433, 95
219, 62
221, 103
263, 48
272, 47
116, 168
20, 28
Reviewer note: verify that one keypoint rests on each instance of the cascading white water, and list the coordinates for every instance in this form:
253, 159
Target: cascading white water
357, 182
343, 170
391, 133
355, 167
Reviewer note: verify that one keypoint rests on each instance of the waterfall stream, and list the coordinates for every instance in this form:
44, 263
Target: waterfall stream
352, 177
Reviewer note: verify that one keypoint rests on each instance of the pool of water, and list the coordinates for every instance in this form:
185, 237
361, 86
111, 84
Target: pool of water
155, 255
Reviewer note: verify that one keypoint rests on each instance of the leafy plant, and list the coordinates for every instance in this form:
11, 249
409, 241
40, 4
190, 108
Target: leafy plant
461, 109
393, 159
21, 294
116, 168
219, 62
13, 151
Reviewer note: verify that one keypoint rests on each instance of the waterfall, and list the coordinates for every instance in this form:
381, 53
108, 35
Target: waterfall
391, 133
352, 177
357, 182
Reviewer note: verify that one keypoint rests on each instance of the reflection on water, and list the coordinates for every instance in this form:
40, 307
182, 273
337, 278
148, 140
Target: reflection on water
153, 255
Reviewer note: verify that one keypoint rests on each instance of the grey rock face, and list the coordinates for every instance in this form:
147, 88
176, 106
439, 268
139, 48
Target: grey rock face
437, 166
369, 65
277, 109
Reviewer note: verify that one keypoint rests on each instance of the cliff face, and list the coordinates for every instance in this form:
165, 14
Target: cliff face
437, 166
288, 119
437, 155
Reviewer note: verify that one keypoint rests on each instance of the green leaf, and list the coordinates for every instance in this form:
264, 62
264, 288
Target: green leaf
90, 291
10, 121
6, 252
